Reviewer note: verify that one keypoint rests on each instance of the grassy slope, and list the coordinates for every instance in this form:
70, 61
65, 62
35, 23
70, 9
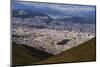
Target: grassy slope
25, 55
83, 52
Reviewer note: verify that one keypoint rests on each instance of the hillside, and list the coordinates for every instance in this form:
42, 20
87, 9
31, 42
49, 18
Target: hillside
25, 55
83, 52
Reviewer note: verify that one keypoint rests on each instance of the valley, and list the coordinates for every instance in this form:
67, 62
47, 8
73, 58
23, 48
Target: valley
45, 33
48, 40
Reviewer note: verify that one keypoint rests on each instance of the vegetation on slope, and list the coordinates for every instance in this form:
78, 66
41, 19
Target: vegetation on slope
25, 55
83, 52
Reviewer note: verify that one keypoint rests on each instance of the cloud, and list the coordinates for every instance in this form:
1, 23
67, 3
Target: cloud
62, 7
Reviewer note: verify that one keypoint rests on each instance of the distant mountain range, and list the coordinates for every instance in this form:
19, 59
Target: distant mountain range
46, 10
56, 9
76, 19
38, 9
27, 13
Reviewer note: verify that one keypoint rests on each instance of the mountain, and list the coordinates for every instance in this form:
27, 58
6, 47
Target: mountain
57, 9
25, 55
26, 13
42, 9
76, 19
54, 10
51, 11
81, 53
23, 11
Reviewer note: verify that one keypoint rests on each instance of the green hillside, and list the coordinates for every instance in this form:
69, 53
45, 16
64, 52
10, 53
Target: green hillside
25, 55
83, 52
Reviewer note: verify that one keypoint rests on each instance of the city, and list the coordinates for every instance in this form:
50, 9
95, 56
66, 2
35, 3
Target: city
45, 37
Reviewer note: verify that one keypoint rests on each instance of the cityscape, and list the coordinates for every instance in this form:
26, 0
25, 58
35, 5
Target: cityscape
52, 28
